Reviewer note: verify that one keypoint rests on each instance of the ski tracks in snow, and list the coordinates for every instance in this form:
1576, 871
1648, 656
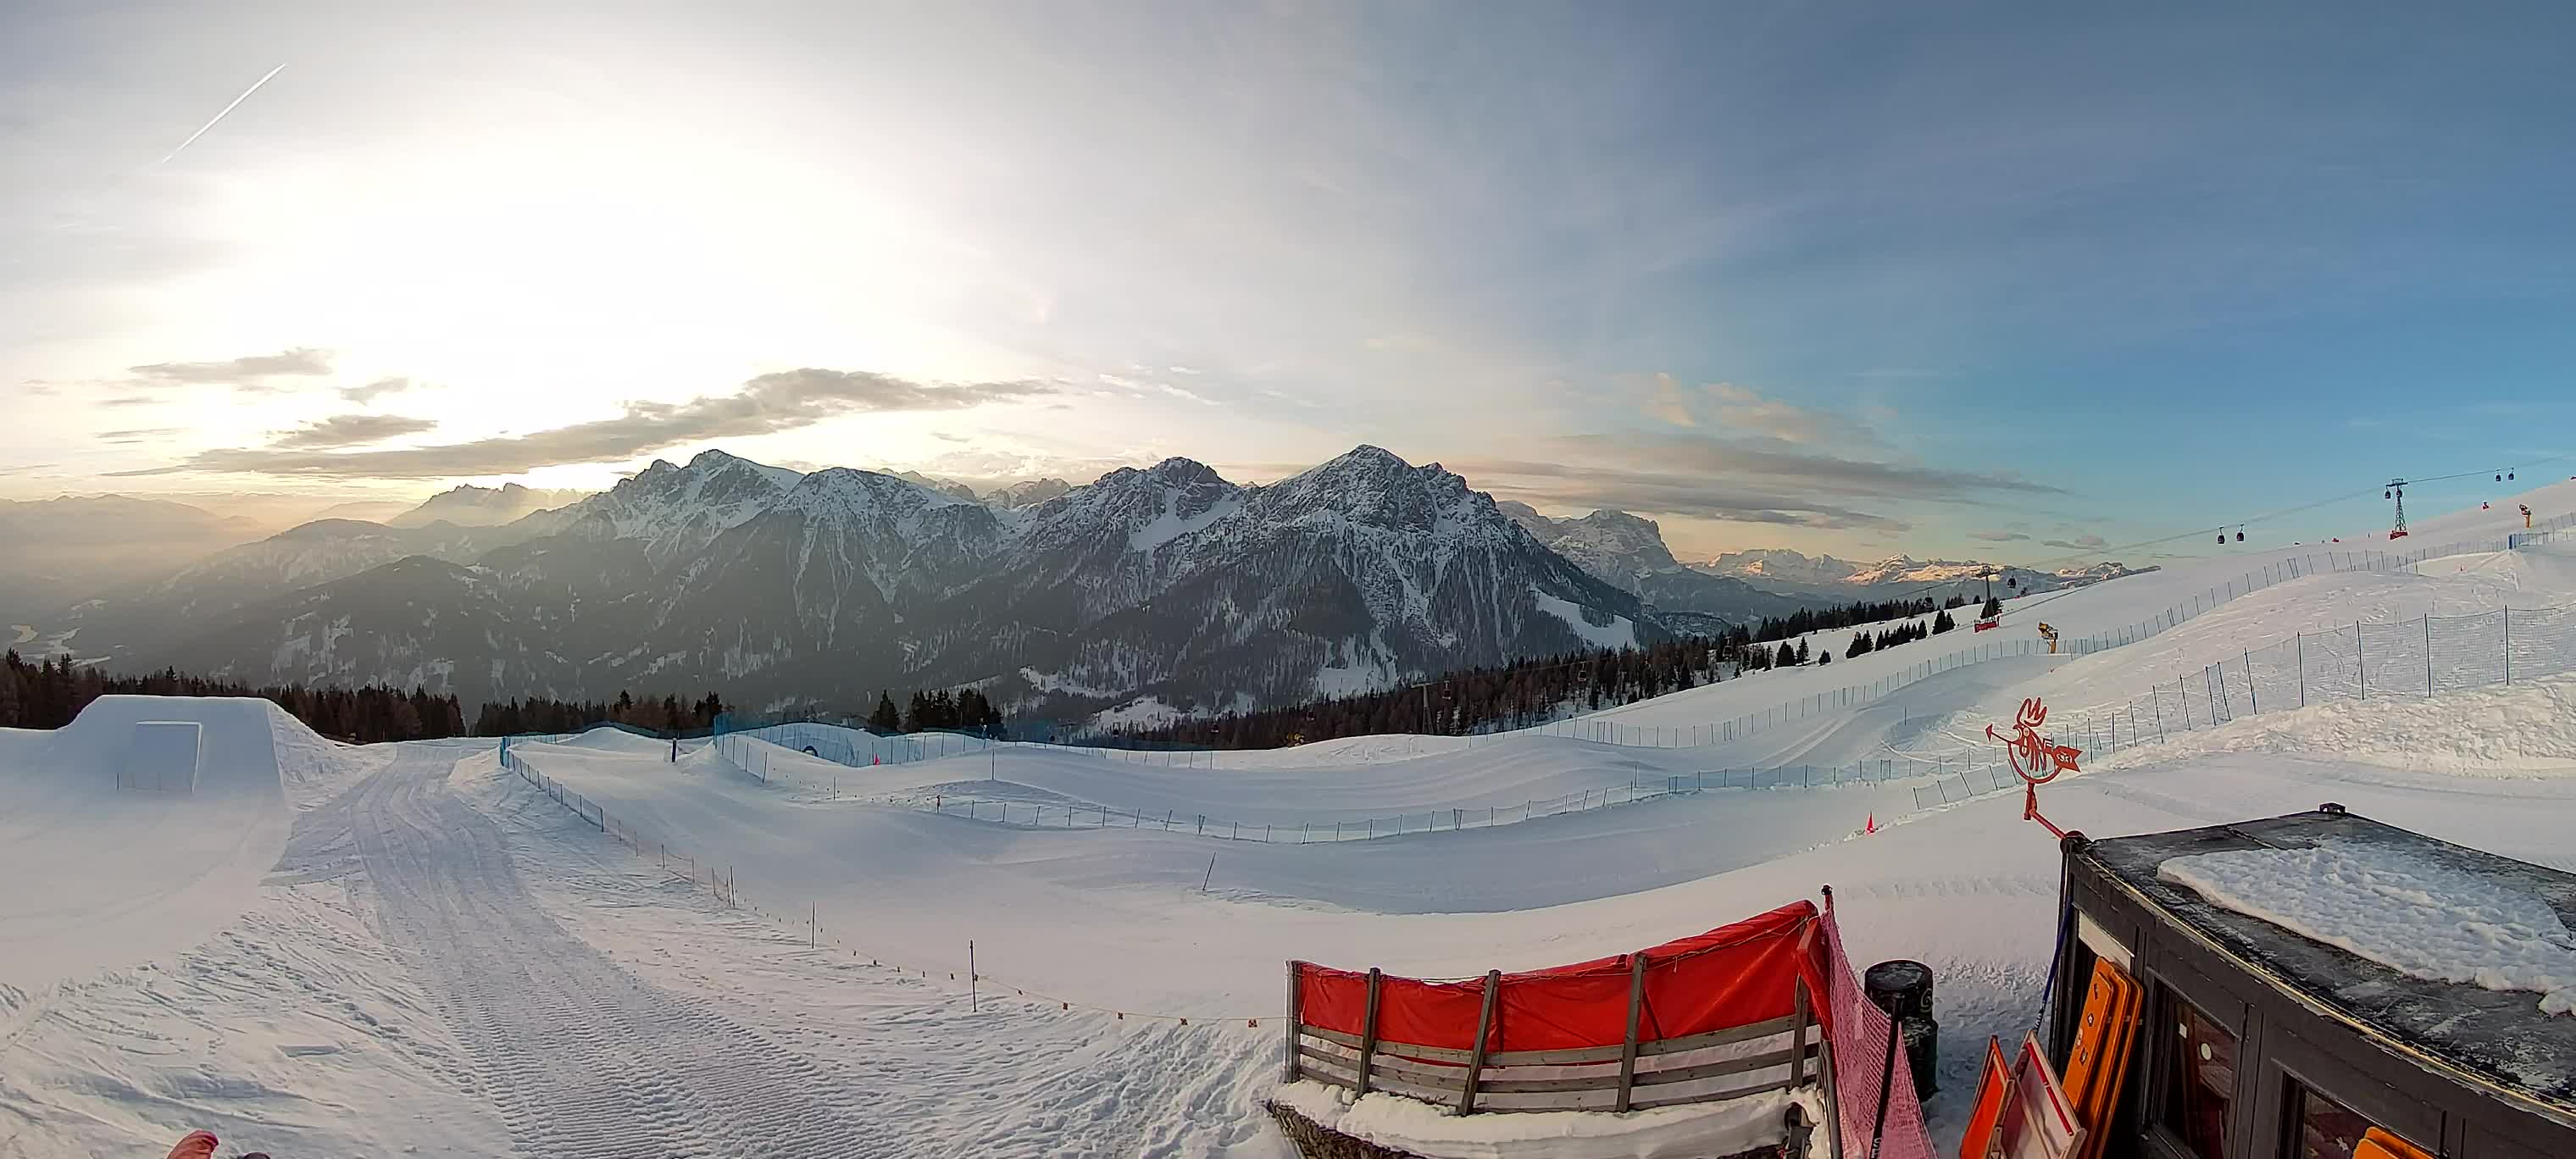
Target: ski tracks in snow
581, 1057
608, 1014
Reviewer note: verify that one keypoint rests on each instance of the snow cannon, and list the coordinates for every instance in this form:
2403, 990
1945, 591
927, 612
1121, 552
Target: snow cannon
2198, 1008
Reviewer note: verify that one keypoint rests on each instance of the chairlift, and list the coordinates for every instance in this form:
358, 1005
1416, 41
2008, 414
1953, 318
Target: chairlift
2240, 533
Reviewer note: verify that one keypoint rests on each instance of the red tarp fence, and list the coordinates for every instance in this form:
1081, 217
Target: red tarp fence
1734, 975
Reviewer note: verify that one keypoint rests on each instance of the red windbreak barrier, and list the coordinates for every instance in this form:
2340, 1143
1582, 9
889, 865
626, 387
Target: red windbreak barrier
1734, 975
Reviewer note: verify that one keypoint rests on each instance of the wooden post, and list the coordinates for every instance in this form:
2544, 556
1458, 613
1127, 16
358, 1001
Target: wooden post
1636, 1009
1484, 1034
1368, 1030
1296, 1012
1798, 1038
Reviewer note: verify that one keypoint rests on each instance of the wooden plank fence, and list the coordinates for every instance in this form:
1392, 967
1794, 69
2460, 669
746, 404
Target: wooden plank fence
1636, 1074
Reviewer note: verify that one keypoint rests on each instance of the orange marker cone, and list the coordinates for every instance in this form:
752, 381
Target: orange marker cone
1873, 824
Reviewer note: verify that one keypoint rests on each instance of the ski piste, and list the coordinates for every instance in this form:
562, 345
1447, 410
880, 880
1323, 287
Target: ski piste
367, 948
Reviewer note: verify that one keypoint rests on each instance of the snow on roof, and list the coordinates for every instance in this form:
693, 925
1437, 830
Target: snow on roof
2399, 910
2500, 1034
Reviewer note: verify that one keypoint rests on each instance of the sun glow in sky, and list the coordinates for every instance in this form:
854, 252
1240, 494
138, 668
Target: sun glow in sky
1858, 280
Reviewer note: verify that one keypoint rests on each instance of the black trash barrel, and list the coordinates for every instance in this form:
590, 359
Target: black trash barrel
1904, 989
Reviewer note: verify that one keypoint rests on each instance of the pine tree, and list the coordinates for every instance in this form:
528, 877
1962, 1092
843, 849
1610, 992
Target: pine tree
1943, 623
1994, 608
1860, 645
885, 720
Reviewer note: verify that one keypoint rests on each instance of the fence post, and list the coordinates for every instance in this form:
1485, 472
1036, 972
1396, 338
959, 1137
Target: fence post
2428, 654
1288, 1070
1484, 1031
2508, 644
2252, 699
1636, 1009
2300, 641
1368, 1029
2360, 667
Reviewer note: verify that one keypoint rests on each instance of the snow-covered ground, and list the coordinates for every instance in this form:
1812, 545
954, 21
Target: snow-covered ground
411, 950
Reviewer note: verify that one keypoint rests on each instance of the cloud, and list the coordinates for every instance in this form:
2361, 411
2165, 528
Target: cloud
381, 386
245, 373
1740, 409
785, 400
1999, 536
25, 468
2079, 543
349, 431
138, 435
1665, 402
129, 400
1743, 411
1751, 481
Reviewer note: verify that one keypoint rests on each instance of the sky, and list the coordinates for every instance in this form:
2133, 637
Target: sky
2014, 280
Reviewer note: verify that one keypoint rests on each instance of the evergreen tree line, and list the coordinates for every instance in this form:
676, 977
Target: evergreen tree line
1535, 691
1807, 621
965, 710
546, 714
49, 693
1863, 643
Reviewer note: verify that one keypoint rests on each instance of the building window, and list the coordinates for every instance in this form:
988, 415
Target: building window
2200, 1078
2321, 1128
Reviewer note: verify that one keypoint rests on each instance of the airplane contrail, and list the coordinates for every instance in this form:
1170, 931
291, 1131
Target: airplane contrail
201, 131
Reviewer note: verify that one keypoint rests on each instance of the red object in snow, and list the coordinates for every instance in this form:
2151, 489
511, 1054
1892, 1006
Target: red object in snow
1982, 625
1734, 975
2397, 535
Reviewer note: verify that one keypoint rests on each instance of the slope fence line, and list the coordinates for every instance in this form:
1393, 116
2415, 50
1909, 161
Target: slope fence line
2284, 570
2416, 658
1067, 814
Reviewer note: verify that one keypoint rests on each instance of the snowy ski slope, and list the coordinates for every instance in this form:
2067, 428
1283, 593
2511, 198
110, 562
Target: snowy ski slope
443, 960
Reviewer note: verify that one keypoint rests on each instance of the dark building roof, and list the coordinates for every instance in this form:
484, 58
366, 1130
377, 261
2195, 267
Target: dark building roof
2500, 1035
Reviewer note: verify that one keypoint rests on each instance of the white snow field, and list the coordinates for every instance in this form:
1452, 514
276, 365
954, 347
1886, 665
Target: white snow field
410, 949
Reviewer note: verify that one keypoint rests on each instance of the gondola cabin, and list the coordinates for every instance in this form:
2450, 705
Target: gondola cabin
2179, 974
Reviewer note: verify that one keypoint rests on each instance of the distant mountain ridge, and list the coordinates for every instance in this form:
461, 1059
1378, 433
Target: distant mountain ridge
777, 586
467, 505
783, 587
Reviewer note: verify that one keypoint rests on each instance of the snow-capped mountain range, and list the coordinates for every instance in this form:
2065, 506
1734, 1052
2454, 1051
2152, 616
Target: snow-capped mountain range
471, 506
1790, 571
777, 586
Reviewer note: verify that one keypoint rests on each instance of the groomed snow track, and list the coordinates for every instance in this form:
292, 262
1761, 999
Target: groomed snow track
582, 1058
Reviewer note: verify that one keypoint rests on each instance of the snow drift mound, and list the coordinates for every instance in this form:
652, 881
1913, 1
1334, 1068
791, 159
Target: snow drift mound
109, 877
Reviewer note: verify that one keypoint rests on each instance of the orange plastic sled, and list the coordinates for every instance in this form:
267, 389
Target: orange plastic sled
1992, 1089
2379, 1144
2097, 1071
